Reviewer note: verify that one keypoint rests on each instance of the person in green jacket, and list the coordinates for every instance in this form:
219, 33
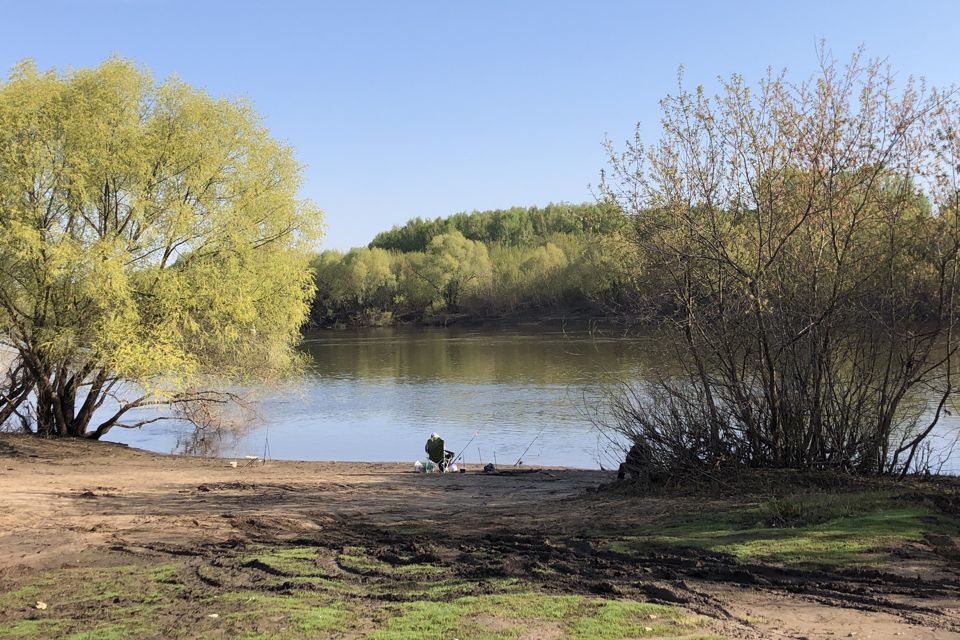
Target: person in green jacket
436, 453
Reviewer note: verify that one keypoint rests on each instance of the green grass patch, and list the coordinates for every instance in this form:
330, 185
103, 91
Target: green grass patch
291, 561
315, 619
829, 529
365, 564
856, 540
89, 585
304, 613
91, 603
356, 559
31, 629
506, 617
167, 601
618, 619
105, 632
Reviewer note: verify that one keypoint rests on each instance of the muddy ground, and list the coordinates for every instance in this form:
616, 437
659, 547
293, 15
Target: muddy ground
82, 504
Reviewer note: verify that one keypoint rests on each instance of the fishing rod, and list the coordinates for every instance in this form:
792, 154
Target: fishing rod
520, 459
462, 451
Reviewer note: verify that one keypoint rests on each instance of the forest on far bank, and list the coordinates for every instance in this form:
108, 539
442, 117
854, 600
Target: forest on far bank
560, 259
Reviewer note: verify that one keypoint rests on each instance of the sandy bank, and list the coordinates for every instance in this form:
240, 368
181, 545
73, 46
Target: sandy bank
61, 497
87, 504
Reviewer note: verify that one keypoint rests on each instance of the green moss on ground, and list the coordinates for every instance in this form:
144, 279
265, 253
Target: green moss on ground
292, 591
530, 614
855, 529
410, 601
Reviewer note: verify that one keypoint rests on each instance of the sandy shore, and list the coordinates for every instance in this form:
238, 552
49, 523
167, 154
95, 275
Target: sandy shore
69, 503
62, 498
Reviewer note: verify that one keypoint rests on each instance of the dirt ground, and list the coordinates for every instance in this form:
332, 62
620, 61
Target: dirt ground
78, 503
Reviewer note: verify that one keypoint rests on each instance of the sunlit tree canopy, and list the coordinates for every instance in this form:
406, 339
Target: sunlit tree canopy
149, 233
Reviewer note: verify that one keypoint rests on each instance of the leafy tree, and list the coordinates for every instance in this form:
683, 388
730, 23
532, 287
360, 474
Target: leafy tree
543, 268
366, 277
328, 270
150, 236
509, 282
454, 267
415, 296
362, 280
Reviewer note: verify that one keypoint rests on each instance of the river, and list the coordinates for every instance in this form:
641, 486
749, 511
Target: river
377, 394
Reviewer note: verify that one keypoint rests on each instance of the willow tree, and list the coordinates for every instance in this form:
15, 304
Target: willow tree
151, 238
453, 267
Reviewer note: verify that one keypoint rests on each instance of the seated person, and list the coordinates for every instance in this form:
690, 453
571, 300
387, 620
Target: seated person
436, 453
637, 462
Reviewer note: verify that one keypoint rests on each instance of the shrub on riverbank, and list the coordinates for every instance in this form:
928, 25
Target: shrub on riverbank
807, 235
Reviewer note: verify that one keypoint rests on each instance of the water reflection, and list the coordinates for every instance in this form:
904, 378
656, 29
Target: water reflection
377, 395
478, 356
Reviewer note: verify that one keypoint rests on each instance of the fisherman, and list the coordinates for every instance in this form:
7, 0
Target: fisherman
637, 463
436, 453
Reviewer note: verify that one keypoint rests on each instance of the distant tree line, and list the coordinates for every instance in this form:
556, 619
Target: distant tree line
515, 227
566, 258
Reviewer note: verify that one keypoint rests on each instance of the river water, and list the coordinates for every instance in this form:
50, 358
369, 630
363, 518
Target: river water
377, 394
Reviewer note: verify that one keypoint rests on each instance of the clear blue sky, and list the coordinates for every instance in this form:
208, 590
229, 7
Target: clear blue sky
400, 109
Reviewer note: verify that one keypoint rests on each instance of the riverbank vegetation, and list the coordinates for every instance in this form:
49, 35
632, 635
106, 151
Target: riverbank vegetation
560, 259
805, 235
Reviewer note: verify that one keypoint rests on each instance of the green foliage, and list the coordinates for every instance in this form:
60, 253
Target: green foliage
491, 263
454, 267
516, 226
362, 279
149, 233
